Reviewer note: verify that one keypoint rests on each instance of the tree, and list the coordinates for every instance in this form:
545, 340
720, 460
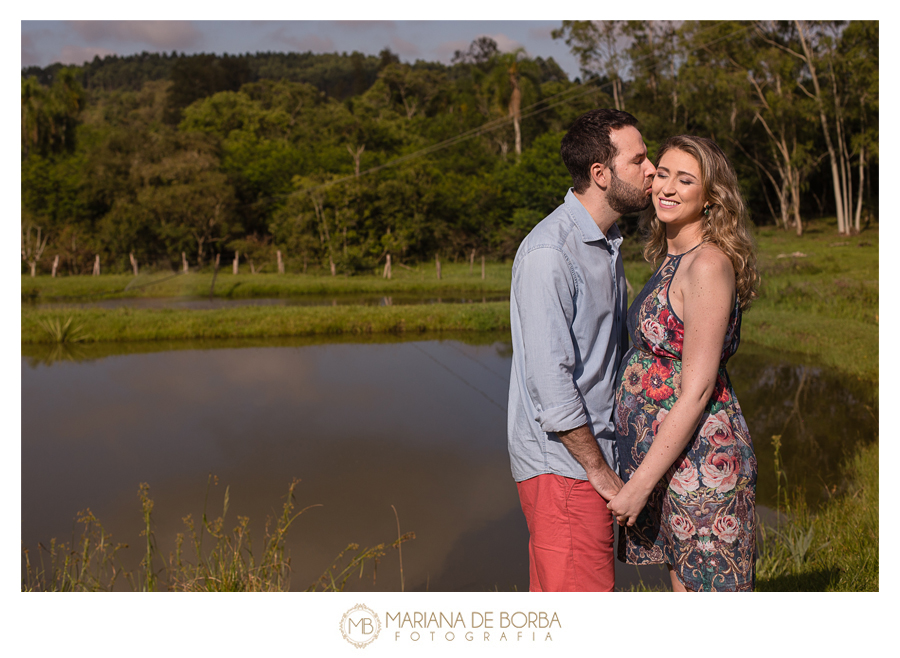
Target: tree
851, 71
653, 57
596, 44
33, 244
203, 75
413, 88
513, 78
480, 52
185, 198
50, 116
854, 69
748, 65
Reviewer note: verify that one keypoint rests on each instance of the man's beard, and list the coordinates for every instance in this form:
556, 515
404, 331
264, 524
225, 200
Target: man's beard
625, 198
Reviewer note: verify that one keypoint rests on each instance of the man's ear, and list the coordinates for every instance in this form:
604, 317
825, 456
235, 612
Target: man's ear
601, 175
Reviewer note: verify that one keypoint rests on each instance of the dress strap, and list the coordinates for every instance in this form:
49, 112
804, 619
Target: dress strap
702, 242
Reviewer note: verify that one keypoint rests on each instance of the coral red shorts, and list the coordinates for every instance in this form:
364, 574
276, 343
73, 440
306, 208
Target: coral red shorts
570, 548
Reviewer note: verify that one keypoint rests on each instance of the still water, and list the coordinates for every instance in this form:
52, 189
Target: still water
419, 425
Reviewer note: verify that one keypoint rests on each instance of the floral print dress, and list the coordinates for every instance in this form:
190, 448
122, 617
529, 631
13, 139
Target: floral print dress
700, 517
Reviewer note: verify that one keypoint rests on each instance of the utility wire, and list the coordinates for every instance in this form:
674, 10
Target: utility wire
462, 379
571, 94
503, 378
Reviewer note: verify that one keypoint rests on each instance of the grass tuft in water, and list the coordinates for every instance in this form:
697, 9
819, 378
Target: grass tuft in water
61, 332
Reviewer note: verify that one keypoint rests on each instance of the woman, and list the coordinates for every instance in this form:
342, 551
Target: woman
684, 449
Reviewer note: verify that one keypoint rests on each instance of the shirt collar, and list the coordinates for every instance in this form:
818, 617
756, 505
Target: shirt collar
590, 232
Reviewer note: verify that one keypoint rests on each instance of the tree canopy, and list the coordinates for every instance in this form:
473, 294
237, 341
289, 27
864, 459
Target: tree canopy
338, 160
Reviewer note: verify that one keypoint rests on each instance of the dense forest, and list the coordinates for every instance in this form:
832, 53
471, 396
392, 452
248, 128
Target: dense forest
337, 160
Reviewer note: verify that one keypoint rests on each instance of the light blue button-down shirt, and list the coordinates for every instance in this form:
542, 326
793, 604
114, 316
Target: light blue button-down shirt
567, 311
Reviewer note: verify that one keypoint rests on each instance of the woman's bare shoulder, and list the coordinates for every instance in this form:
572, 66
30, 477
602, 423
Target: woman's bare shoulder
709, 260
709, 269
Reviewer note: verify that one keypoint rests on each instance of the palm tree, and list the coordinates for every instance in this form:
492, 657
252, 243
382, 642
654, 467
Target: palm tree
512, 76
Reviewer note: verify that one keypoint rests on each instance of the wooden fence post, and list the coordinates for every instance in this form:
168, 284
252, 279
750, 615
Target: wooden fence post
55, 265
437, 265
215, 274
280, 262
184, 265
387, 268
96, 271
471, 261
134, 265
482, 268
234, 263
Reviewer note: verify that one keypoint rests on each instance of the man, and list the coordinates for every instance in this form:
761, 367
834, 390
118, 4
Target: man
567, 311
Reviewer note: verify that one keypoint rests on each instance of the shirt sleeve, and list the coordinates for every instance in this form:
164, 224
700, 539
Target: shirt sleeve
544, 289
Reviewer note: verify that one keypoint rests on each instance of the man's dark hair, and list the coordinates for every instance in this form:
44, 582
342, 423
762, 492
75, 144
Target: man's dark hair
588, 142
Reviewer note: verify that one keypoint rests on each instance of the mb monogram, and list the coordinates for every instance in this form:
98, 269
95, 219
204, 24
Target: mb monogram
360, 626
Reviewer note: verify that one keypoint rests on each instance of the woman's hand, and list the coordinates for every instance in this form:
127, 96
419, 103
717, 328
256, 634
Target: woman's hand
628, 503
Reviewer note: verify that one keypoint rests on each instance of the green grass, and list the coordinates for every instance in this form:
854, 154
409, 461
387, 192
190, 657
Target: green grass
125, 324
422, 279
835, 550
823, 303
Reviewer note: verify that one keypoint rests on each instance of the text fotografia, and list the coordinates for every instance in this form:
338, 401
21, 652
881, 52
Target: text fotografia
479, 626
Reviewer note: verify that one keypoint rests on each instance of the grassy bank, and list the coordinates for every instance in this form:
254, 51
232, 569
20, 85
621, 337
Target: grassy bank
818, 298
835, 550
421, 279
125, 324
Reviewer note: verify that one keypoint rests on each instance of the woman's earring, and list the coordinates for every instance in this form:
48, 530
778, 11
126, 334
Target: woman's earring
706, 209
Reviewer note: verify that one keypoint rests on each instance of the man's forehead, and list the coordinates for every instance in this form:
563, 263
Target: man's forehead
628, 142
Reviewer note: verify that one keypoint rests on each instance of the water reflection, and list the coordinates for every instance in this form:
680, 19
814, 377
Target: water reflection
822, 417
420, 425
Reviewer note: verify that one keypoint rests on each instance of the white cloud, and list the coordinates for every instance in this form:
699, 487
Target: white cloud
78, 55
445, 50
156, 34
543, 33
504, 43
405, 48
310, 42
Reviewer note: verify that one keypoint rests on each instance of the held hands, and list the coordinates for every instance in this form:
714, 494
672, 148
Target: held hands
628, 503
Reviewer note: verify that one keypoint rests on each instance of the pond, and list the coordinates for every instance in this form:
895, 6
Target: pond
419, 425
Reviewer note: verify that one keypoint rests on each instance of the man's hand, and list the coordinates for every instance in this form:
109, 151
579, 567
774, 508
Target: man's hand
605, 482
583, 446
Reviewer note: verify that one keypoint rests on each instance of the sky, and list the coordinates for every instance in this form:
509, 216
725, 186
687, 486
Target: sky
77, 41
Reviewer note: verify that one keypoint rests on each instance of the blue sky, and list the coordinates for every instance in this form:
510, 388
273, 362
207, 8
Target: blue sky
77, 41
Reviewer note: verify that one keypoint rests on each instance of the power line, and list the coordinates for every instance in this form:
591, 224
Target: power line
462, 379
572, 93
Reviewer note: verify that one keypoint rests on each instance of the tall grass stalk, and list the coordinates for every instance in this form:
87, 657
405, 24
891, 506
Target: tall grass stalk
795, 554
92, 563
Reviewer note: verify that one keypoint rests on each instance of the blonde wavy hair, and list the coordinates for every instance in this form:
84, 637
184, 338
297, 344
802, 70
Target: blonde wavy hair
726, 224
